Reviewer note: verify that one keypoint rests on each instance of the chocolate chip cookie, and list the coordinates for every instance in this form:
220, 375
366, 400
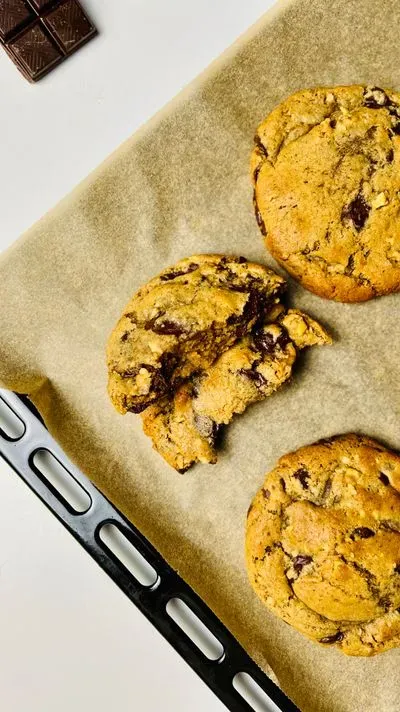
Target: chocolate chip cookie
323, 543
181, 321
185, 428
326, 171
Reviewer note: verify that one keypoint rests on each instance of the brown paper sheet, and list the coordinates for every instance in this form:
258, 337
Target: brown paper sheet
180, 186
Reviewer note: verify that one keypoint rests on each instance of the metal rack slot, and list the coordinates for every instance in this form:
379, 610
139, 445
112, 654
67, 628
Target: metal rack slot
11, 426
117, 543
195, 629
62, 483
168, 602
246, 686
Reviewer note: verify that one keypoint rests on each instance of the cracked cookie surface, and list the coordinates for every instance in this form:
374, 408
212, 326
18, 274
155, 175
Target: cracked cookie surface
323, 543
181, 321
184, 428
326, 172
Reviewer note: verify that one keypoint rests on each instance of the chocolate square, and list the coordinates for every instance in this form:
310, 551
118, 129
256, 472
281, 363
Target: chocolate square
35, 52
13, 15
40, 4
69, 25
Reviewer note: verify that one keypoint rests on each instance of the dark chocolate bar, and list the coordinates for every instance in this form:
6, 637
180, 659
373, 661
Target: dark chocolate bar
39, 34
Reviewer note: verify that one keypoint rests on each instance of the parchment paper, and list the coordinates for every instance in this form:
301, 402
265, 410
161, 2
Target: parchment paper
181, 186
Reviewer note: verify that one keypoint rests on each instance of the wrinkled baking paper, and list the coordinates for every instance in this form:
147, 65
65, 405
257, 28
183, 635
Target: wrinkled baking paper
181, 186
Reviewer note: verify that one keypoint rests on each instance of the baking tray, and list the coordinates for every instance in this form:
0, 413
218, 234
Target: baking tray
114, 543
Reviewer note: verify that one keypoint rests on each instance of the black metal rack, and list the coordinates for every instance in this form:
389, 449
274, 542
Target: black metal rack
19, 450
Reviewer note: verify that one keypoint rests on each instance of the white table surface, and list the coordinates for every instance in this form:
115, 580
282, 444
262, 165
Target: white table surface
69, 639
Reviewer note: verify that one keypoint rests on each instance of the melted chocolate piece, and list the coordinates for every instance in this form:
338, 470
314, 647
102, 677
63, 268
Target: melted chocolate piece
139, 408
207, 427
256, 172
264, 342
283, 340
129, 373
357, 211
178, 273
375, 98
260, 221
385, 603
327, 489
260, 146
254, 376
167, 327
168, 364
252, 306
300, 561
330, 639
362, 533
303, 476
350, 266
183, 470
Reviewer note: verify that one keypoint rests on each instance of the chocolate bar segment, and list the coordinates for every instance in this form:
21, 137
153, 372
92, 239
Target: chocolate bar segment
39, 34
41, 4
34, 52
69, 25
14, 14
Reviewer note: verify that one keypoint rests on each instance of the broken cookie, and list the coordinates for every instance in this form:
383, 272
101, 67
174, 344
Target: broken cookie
181, 321
185, 427
199, 344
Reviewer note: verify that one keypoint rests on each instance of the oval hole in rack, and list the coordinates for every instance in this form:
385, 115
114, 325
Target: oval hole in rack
195, 629
119, 545
11, 426
65, 487
253, 694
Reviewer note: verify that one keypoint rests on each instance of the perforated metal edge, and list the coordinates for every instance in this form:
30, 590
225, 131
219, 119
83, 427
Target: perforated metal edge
218, 675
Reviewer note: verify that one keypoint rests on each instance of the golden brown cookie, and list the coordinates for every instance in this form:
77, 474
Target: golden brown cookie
323, 543
326, 171
185, 427
181, 321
